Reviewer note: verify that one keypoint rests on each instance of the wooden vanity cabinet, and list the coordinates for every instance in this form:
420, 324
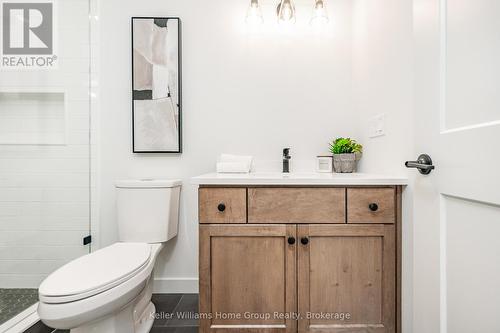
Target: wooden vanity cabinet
329, 274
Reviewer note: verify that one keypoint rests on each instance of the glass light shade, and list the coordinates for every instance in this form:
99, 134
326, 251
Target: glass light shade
286, 12
254, 13
319, 15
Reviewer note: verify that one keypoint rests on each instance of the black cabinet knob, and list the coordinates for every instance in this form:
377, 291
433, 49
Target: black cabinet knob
221, 207
304, 240
291, 240
373, 207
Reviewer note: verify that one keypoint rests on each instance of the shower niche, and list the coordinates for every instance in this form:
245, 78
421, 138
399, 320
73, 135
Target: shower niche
33, 118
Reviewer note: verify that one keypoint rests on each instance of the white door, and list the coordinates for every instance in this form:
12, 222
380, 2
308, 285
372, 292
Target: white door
457, 206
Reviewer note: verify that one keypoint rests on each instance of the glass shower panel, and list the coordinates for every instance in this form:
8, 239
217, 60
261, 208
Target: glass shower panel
45, 178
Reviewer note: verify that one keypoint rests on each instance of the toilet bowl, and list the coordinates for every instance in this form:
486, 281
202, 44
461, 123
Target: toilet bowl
110, 290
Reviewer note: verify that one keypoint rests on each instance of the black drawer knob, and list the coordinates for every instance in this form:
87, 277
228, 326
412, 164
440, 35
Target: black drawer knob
291, 240
221, 207
373, 207
304, 240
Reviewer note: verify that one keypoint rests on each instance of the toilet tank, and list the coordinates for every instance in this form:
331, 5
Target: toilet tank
147, 210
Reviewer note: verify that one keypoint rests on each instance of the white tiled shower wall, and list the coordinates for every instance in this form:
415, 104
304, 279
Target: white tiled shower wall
45, 188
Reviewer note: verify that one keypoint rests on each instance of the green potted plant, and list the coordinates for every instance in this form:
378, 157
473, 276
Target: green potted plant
346, 154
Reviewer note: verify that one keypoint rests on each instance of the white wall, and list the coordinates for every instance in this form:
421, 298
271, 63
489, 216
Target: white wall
383, 80
249, 93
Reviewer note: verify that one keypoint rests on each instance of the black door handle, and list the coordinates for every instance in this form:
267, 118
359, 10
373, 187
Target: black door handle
304, 240
423, 164
291, 240
221, 207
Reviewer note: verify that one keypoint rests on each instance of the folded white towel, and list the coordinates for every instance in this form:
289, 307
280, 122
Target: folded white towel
232, 167
235, 158
234, 164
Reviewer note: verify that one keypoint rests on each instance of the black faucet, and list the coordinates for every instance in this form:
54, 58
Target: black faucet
286, 160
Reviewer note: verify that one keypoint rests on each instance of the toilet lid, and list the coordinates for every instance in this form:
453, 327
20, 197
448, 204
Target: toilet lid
98, 271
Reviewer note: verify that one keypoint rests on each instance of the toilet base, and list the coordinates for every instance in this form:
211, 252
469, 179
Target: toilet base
145, 324
122, 322
136, 317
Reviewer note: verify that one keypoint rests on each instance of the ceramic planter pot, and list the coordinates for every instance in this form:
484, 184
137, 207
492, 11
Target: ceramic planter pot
345, 163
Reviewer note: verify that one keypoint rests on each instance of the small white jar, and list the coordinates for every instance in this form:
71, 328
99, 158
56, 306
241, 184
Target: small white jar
325, 164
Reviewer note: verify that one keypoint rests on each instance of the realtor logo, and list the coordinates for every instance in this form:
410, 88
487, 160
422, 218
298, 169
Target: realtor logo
28, 34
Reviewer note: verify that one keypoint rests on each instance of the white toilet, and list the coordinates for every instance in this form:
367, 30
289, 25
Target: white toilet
109, 291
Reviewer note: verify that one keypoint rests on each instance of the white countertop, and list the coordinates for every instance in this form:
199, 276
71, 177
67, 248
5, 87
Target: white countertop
312, 178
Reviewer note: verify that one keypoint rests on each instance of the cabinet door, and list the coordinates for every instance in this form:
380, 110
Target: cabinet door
248, 278
346, 278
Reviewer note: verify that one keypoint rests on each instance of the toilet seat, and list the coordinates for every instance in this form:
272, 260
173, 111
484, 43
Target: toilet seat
74, 314
95, 273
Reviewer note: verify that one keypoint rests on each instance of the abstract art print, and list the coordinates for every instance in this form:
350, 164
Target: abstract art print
156, 85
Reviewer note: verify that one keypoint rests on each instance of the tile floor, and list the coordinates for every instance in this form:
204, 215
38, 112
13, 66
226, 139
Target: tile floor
175, 314
15, 301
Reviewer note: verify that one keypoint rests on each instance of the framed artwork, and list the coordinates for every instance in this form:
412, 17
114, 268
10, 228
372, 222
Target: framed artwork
156, 85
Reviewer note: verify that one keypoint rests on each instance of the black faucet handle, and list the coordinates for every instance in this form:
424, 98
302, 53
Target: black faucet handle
286, 153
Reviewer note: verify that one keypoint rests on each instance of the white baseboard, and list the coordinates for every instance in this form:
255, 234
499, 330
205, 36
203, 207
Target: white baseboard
175, 286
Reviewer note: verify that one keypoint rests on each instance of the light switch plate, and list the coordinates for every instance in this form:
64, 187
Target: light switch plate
376, 126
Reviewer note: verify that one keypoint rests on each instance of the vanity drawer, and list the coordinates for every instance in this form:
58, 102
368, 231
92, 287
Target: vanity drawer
296, 205
371, 205
222, 205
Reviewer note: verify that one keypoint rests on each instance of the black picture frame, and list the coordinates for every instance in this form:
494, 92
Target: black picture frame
180, 131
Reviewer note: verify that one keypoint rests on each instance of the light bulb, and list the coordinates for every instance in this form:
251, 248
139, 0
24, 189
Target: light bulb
254, 13
320, 15
286, 12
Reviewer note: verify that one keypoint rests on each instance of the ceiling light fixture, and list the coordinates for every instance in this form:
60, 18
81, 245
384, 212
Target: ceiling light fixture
286, 12
320, 15
254, 13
